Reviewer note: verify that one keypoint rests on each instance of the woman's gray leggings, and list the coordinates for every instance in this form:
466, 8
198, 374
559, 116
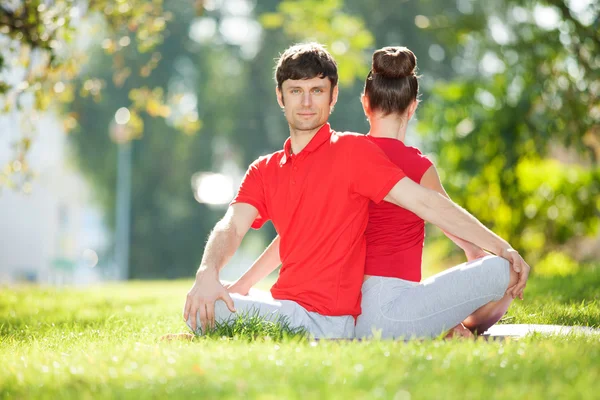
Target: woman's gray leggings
396, 308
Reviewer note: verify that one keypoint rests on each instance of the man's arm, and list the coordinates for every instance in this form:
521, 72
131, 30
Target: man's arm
222, 244
442, 212
263, 266
431, 180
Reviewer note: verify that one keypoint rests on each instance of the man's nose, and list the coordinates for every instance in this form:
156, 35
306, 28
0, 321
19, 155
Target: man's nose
306, 99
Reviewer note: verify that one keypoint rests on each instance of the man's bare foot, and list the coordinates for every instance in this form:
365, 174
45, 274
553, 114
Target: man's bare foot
459, 331
177, 336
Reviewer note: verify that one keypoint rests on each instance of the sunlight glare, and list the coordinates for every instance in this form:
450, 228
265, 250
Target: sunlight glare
212, 188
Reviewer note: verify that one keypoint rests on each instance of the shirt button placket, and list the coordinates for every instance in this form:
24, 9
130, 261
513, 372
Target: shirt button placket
294, 172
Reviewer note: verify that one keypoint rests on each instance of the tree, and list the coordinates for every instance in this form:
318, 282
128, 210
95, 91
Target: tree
517, 130
235, 101
503, 96
46, 53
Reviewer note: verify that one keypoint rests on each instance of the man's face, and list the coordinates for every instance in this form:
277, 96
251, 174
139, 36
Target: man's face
307, 103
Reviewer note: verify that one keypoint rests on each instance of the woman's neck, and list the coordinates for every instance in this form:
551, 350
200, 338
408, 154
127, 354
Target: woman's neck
391, 126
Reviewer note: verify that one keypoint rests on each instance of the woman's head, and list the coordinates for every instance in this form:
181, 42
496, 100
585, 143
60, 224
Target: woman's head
392, 86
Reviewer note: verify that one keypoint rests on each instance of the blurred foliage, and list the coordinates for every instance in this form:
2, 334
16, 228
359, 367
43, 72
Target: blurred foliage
46, 49
229, 83
557, 264
510, 103
517, 130
325, 22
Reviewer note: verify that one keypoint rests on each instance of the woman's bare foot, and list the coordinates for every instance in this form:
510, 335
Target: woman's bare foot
177, 336
459, 331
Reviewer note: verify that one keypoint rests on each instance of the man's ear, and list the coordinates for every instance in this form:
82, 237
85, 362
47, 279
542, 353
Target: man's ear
279, 97
334, 98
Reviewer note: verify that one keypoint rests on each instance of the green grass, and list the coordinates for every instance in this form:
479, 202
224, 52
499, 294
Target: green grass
103, 342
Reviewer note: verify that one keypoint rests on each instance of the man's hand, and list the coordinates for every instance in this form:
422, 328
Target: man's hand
202, 297
520, 267
236, 287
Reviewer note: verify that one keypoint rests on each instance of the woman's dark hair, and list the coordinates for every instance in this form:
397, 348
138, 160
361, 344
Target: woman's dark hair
392, 84
306, 61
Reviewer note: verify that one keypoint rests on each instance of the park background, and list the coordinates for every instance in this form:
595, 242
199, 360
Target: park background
126, 124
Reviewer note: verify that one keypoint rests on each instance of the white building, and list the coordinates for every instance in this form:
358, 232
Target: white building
53, 234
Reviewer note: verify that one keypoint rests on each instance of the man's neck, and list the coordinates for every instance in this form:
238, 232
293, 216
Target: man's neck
388, 127
299, 138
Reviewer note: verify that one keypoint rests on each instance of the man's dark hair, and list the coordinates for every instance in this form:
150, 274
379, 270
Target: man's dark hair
306, 61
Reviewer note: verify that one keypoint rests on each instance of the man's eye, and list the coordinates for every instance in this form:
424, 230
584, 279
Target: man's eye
294, 91
318, 91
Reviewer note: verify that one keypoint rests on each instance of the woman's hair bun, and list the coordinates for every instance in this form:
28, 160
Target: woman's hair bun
394, 62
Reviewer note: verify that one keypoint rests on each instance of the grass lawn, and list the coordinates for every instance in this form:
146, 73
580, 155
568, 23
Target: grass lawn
102, 342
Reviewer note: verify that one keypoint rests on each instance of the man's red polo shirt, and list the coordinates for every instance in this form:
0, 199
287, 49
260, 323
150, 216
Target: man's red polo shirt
318, 201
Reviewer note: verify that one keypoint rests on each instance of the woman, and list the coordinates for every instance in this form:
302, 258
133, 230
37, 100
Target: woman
470, 297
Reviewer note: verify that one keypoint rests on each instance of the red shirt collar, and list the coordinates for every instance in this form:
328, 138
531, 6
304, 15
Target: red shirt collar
320, 137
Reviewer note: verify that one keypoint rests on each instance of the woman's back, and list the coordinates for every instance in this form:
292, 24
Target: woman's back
394, 235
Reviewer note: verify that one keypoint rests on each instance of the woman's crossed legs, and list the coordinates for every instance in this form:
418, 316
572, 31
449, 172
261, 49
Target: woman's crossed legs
472, 293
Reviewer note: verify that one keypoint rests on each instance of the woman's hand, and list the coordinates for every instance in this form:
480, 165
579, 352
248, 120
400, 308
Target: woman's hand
237, 287
521, 267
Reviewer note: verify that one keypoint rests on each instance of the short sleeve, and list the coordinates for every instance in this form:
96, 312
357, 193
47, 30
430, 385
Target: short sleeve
420, 163
372, 174
252, 191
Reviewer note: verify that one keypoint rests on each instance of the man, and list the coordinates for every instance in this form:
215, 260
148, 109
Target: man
316, 191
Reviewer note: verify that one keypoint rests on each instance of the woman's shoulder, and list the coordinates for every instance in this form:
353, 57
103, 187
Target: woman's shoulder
412, 161
417, 154
413, 150
398, 148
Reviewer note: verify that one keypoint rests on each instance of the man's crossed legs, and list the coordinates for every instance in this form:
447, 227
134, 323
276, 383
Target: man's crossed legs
259, 303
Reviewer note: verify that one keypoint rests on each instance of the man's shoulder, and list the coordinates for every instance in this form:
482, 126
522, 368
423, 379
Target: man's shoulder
268, 160
345, 139
349, 136
352, 140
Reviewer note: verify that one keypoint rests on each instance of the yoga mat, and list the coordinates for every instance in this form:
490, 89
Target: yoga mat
521, 330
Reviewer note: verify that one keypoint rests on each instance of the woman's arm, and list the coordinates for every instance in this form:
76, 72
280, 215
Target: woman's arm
444, 213
263, 266
431, 180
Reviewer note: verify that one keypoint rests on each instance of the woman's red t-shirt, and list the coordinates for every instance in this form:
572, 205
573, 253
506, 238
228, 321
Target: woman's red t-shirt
394, 235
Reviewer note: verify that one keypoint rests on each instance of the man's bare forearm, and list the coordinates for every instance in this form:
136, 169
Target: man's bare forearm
455, 220
468, 247
222, 244
442, 212
431, 180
